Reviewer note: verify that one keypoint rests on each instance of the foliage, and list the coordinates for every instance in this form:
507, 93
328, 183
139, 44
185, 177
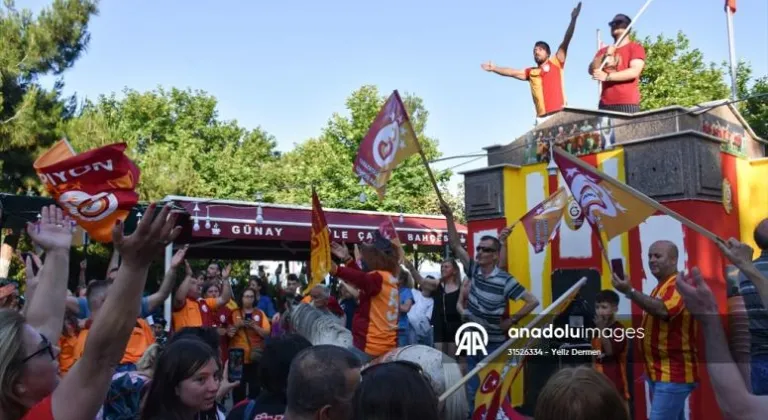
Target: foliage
676, 74
33, 47
756, 110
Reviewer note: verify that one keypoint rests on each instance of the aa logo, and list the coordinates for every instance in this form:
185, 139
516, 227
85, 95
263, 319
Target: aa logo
470, 339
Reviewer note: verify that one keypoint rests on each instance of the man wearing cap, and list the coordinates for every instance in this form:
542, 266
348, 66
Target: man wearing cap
546, 79
620, 77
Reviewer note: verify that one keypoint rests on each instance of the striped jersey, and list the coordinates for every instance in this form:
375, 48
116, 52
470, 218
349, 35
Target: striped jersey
488, 297
758, 315
374, 326
669, 347
547, 86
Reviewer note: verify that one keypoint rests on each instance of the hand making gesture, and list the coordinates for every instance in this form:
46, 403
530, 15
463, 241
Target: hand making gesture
149, 239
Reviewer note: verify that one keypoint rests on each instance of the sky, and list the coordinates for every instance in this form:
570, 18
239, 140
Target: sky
288, 65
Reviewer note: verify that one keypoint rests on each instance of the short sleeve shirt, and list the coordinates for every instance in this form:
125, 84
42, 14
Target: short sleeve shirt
488, 297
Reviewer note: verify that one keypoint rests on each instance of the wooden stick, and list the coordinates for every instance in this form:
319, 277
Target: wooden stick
429, 171
488, 359
640, 196
626, 32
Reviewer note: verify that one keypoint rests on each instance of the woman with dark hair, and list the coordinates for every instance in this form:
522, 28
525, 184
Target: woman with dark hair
395, 391
273, 372
445, 292
221, 319
185, 383
250, 327
580, 393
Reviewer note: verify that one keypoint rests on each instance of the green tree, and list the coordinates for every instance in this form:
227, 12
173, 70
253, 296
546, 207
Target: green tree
676, 74
326, 162
179, 142
755, 110
33, 47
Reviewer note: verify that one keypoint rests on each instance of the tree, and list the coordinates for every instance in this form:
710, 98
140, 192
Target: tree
755, 110
326, 162
33, 47
177, 139
675, 74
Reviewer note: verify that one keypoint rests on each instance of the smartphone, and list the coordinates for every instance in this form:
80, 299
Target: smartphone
248, 317
235, 364
617, 266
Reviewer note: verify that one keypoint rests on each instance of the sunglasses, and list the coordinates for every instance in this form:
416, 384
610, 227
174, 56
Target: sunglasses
486, 249
615, 23
47, 347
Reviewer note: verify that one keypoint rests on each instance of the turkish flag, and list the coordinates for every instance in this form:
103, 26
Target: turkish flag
96, 188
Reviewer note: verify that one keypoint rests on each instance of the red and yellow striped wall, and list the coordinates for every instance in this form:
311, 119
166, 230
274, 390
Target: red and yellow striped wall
526, 186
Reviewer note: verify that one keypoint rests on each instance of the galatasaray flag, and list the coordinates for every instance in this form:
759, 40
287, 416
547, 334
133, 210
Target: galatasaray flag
612, 206
731, 4
542, 221
320, 245
96, 188
496, 379
389, 141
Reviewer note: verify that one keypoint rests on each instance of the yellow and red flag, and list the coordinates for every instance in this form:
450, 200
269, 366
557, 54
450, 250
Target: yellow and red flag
495, 391
608, 204
96, 188
320, 245
389, 141
731, 5
542, 221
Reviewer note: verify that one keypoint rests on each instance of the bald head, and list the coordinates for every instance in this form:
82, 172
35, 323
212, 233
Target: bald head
761, 235
662, 259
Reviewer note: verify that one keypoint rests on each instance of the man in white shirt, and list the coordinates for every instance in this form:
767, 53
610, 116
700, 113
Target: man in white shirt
420, 319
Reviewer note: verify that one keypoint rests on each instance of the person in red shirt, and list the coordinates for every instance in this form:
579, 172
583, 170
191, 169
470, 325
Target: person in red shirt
621, 75
546, 79
374, 326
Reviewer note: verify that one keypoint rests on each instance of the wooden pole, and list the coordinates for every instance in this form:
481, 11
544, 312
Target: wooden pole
508, 343
429, 171
626, 32
640, 196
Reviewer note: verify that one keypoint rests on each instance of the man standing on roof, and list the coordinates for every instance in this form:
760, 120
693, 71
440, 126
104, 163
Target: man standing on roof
621, 75
546, 79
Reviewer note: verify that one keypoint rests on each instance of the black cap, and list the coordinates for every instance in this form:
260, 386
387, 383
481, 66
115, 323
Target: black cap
620, 18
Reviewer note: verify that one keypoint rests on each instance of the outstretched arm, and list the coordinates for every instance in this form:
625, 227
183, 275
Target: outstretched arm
453, 236
563, 50
505, 71
166, 287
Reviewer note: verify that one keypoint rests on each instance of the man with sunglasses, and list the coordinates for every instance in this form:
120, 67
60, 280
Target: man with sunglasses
620, 77
490, 289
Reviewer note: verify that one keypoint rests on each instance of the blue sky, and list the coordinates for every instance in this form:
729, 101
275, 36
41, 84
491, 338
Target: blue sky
287, 66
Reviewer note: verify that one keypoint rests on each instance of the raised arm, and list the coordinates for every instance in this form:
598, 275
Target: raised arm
504, 71
740, 254
226, 290
46, 310
81, 392
453, 236
166, 287
427, 285
181, 293
563, 50
503, 237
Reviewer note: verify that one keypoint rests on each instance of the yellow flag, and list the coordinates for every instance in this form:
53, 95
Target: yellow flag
320, 245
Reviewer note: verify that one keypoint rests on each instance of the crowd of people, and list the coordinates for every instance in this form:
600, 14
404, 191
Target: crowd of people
105, 355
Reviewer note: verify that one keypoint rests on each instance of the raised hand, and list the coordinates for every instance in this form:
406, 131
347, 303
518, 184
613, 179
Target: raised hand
623, 286
340, 251
696, 294
53, 231
504, 234
152, 235
225, 272
576, 11
489, 66
179, 256
737, 252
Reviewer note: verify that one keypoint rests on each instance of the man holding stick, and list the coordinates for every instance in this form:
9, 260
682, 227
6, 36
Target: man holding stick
546, 78
618, 68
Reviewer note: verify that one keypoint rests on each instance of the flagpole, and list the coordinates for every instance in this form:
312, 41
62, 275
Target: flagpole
429, 171
731, 50
483, 363
642, 197
599, 83
626, 31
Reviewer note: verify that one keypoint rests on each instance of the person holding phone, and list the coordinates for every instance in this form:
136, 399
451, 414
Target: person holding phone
250, 327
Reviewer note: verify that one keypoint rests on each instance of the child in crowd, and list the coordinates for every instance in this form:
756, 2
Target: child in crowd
611, 342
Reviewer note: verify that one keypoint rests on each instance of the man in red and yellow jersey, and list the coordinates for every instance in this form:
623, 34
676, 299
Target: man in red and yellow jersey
546, 79
190, 309
669, 335
141, 338
374, 325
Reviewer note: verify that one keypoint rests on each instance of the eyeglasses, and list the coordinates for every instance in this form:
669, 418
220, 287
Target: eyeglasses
412, 365
486, 249
47, 347
617, 23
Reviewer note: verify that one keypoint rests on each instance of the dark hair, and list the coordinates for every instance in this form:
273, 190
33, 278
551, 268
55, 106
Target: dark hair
208, 285
607, 296
276, 361
495, 240
544, 46
179, 360
580, 393
317, 378
292, 277
95, 287
761, 237
240, 298
395, 391
205, 334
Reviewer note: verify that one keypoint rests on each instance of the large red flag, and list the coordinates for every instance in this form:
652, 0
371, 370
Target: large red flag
96, 188
542, 221
389, 141
320, 244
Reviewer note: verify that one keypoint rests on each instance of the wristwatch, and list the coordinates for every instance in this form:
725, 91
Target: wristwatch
628, 295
